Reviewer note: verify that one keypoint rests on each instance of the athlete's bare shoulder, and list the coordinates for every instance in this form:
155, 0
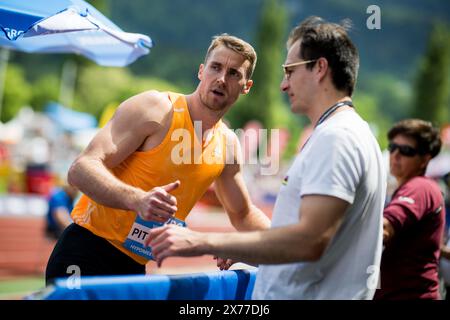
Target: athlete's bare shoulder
147, 107
151, 105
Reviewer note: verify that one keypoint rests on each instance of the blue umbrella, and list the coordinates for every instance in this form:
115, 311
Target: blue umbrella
68, 26
69, 120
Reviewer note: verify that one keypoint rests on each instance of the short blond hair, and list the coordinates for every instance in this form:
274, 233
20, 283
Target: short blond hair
237, 45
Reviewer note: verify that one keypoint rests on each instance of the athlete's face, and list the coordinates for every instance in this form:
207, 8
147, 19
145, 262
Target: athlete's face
223, 78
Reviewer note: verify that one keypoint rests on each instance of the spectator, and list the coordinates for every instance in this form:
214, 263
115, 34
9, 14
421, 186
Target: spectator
414, 219
60, 205
445, 248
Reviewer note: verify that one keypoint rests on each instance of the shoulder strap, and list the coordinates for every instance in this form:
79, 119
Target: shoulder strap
178, 101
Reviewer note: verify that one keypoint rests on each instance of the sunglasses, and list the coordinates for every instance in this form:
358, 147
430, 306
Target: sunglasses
404, 150
287, 68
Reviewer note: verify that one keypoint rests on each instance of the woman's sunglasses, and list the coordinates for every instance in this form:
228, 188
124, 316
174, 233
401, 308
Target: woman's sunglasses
404, 150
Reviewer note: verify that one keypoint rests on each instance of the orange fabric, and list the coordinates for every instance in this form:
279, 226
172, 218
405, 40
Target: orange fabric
157, 167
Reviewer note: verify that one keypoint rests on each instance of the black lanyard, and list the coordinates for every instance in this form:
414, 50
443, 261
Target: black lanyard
327, 113
332, 109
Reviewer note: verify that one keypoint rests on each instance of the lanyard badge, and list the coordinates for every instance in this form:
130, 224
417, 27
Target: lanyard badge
328, 113
139, 232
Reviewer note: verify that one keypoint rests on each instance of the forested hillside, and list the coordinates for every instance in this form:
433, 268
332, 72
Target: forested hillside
182, 29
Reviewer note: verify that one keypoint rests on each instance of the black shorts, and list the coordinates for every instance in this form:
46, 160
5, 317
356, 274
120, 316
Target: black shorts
88, 253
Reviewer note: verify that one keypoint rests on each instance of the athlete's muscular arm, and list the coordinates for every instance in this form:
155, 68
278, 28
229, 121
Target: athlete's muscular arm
233, 194
136, 120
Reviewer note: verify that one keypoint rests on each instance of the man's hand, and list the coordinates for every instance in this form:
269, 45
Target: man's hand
224, 264
158, 204
172, 240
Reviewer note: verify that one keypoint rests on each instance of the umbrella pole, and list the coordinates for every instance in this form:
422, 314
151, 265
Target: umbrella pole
4, 57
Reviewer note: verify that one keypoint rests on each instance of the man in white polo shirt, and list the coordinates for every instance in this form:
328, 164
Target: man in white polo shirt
326, 235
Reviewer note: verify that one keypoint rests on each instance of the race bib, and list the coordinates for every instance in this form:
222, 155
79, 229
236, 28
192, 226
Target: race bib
139, 232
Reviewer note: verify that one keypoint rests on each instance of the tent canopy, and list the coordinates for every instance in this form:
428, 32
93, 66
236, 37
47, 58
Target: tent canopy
69, 120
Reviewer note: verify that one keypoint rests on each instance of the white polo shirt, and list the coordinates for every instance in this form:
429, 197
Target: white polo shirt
341, 159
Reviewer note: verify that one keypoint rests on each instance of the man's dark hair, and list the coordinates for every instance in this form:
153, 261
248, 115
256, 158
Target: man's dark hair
321, 39
427, 137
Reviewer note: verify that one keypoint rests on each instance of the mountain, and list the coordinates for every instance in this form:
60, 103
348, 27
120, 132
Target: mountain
182, 30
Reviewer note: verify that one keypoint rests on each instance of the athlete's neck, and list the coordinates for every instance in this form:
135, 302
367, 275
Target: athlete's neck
199, 112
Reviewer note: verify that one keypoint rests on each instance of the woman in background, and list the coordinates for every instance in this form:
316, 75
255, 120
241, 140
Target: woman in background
414, 219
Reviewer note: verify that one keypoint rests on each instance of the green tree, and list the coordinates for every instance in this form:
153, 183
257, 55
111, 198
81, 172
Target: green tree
265, 102
368, 107
101, 5
17, 92
97, 87
432, 83
45, 89
392, 94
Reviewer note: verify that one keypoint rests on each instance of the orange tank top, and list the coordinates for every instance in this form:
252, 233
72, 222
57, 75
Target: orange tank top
180, 156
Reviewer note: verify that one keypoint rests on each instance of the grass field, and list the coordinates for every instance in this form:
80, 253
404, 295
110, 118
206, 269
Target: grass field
17, 288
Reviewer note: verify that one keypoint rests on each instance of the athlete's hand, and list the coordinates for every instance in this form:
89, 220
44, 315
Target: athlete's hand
158, 204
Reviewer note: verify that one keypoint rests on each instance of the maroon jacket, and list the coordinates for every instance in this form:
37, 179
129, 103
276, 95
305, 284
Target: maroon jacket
409, 264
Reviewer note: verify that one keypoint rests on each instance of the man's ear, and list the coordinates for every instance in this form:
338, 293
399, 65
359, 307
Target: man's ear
200, 71
247, 87
322, 68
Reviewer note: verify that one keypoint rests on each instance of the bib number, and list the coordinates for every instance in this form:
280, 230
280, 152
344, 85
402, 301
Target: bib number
139, 232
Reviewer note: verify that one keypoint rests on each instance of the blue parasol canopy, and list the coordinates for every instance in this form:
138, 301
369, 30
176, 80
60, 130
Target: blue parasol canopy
68, 26
69, 120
